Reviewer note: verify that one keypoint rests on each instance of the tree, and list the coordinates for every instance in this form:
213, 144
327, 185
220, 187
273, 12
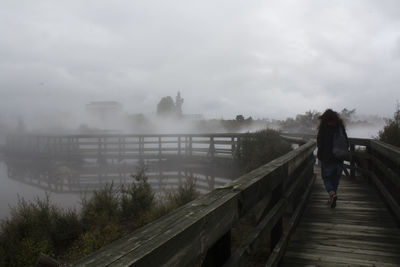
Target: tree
391, 131
304, 123
239, 118
166, 106
346, 114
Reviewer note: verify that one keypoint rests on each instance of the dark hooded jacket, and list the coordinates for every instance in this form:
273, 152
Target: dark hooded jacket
325, 141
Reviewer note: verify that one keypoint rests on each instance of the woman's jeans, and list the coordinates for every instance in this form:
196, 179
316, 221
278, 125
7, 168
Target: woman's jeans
331, 173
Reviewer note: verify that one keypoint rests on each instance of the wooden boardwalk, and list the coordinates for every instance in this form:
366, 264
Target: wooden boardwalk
359, 232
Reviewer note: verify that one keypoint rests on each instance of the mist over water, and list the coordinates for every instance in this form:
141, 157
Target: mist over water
11, 190
121, 122
364, 131
66, 185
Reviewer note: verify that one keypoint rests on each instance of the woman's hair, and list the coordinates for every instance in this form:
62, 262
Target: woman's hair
330, 117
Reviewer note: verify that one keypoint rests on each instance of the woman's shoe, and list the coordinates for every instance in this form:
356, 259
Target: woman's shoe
333, 200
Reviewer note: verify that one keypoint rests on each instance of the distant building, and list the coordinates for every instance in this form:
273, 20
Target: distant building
104, 110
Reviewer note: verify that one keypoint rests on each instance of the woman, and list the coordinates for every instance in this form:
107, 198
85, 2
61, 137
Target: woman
331, 167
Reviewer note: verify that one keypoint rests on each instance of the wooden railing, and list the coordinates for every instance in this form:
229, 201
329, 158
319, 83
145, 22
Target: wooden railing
124, 146
380, 164
376, 161
200, 231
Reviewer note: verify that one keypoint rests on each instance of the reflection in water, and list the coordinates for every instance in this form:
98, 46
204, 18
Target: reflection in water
89, 176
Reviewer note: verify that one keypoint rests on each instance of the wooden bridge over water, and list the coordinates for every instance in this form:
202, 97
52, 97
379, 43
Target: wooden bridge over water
123, 147
276, 215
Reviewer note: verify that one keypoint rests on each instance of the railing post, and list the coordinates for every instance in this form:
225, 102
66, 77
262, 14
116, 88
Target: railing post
141, 147
277, 230
190, 146
159, 147
179, 145
100, 158
233, 146
211, 149
239, 147
369, 161
352, 163
119, 148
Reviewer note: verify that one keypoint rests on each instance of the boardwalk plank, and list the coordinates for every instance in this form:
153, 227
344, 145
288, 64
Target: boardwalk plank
359, 232
345, 248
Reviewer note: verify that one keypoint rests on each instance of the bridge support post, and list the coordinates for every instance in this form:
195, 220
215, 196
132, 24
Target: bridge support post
211, 149
159, 148
179, 145
369, 163
352, 163
219, 253
277, 230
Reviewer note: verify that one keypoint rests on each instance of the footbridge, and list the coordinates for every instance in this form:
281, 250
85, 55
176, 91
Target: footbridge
104, 147
277, 215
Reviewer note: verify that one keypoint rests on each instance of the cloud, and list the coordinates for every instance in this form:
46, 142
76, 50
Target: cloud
258, 58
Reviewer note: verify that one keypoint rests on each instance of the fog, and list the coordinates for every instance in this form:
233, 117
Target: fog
264, 59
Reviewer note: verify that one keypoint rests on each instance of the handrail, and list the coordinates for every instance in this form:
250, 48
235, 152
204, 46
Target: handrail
124, 146
380, 164
202, 227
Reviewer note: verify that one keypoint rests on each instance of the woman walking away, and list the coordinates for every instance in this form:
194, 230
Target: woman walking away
330, 126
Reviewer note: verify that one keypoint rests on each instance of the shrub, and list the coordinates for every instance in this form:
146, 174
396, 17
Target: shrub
101, 208
185, 193
94, 239
36, 227
173, 199
40, 227
261, 147
391, 131
137, 197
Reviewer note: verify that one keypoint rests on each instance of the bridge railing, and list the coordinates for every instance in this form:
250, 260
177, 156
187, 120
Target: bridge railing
125, 146
380, 164
200, 231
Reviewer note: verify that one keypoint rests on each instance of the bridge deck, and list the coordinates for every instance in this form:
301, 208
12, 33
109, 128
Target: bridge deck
359, 232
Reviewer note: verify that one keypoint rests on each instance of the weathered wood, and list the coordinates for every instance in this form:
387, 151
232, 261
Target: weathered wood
387, 172
179, 238
352, 162
358, 232
394, 206
254, 240
219, 253
295, 140
280, 248
109, 146
389, 151
260, 209
342, 258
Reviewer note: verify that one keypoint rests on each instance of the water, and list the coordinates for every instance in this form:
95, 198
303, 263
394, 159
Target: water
11, 189
66, 184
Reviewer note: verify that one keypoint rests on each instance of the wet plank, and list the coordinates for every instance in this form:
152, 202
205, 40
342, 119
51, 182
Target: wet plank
359, 232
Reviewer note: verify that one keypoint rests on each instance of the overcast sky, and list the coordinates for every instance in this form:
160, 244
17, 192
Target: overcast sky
265, 59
